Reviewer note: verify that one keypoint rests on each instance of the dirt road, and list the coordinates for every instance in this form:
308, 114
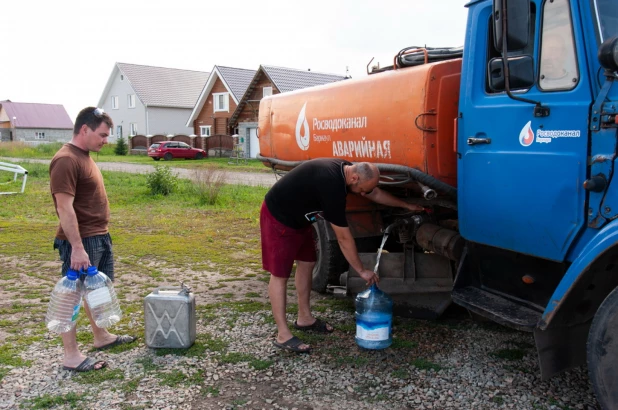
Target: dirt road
232, 177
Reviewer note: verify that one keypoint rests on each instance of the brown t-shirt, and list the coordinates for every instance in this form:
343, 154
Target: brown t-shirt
73, 172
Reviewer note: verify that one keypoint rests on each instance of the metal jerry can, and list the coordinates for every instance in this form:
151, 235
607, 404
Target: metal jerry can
169, 317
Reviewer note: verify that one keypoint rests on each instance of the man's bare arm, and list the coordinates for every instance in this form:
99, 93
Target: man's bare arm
70, 227
348, 248
382, 197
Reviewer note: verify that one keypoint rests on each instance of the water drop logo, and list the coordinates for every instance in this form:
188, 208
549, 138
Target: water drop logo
526, 136
301, 125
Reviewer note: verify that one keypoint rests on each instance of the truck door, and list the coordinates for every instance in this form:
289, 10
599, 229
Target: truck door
520, 179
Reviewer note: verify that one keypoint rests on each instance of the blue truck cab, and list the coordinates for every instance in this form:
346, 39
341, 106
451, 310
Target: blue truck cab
537, 204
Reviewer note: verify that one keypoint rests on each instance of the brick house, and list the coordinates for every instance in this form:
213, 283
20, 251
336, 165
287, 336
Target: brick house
34, 123
217, 101
269, 80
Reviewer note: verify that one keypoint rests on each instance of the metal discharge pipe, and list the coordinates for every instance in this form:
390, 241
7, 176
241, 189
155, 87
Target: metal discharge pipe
440, 240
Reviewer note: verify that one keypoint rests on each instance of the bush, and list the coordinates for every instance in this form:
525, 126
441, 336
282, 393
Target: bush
162, 181
121, 147
208, 184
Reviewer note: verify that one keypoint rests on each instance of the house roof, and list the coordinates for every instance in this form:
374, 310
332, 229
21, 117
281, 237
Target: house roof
290, 79
235, 80
160, 86
34, 115
285, 80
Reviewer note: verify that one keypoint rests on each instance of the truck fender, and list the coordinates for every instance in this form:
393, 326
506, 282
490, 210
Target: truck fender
602, 246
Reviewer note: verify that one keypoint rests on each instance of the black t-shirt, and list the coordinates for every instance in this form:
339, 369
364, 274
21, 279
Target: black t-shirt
314, 187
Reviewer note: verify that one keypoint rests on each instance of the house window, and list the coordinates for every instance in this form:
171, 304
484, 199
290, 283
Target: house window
131, 100
39, 135
267, 91
221, 101
121, 77
133, 128
205, 130
114, 102
119, 131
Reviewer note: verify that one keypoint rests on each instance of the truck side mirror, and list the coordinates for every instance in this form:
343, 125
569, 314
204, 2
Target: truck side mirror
517, 21
608, 54
521, 73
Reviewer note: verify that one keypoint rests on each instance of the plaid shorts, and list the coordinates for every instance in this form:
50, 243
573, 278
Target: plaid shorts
98, 248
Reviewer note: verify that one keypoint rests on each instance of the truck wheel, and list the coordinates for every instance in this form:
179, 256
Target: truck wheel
330, 262
603, 350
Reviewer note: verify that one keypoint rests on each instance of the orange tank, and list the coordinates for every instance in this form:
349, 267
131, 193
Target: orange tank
404, 117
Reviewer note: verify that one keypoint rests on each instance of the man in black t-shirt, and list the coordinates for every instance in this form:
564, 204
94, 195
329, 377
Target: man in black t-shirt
315, 189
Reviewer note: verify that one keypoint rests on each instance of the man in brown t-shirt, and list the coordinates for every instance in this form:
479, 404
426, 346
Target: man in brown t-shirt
82, 238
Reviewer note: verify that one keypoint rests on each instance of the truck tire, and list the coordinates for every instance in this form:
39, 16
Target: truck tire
602, 352
330, 263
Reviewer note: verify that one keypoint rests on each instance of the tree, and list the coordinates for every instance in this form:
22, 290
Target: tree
121, 147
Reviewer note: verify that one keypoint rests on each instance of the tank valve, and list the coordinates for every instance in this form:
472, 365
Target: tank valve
428, 193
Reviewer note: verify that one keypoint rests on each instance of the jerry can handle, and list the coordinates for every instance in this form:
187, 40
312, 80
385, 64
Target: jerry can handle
184, 289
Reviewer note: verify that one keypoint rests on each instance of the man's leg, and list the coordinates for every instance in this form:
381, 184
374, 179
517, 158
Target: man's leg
304, 271
101, 336
278, 299
277, 292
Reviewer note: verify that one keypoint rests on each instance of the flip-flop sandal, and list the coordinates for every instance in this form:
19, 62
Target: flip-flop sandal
120, 340
292, 345
319, 326
89, 364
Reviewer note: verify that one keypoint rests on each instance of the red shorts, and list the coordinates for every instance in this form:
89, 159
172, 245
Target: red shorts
282, 245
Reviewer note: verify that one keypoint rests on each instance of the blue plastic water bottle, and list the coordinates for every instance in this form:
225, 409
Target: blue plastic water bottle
64, 304
101, 298
374, 319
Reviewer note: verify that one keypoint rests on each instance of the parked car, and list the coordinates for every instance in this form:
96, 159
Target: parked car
169, 150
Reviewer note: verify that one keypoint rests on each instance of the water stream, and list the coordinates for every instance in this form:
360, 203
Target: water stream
375, 270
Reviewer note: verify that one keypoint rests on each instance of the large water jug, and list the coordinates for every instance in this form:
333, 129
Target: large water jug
64, 304
374, 319
101, 298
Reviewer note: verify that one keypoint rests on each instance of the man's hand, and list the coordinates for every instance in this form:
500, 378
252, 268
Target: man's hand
370, 276
79, 259
415, 207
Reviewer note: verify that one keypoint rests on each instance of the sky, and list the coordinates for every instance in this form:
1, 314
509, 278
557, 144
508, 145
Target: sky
63, 52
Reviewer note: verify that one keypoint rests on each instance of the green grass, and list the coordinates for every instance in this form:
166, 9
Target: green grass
510, 354
403, 344
176, 377
210, 390
48, 401
148, 364
9, 355
423, 364
99, 376
130, 386
400, 374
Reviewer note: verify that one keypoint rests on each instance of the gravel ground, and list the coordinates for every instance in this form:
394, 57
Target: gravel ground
451, 363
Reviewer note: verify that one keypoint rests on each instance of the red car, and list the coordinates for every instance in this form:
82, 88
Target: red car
169, 150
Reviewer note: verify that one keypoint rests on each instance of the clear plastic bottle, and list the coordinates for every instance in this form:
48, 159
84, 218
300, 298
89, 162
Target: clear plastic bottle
101, 298
64, 304
374, 319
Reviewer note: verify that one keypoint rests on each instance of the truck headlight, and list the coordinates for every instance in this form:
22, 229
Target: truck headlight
608, 54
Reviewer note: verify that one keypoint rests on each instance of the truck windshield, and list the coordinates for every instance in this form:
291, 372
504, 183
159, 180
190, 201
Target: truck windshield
606, 14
